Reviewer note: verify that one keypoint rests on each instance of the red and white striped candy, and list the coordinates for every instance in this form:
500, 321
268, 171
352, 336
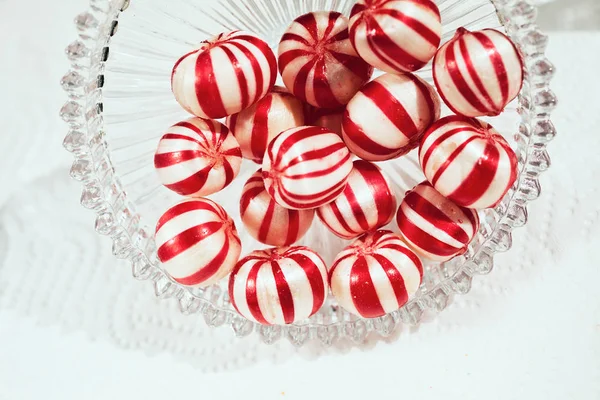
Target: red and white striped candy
306, 167
225, 75
267, 221
375, 275
433, 226
256, 126
367, 203
468, 161
197, 242
279, 286
396, 35
388, 116
318, 63
478, 73
197, 157
325, 117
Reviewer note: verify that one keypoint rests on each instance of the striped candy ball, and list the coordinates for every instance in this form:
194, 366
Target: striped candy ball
375, 275
256, 126
267, 221
318, 63
197, 158
325, 117
478, 73
306, 167
433, 226
396, 35
388, 116
468, 161
197, 242
367, 203
279, 286
225, 75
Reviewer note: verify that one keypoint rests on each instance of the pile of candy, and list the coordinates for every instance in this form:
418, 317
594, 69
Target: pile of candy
316, 142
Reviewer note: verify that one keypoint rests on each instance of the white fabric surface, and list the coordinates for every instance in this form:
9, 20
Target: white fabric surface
74, 324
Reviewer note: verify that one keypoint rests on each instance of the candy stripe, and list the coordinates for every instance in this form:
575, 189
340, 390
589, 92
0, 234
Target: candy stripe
197, 242
267, 221
306, 167
467, 161
268, 286
396, 36
224, 76
375, 275
197, 158
478, 73
367, 203
388, 116
317, 61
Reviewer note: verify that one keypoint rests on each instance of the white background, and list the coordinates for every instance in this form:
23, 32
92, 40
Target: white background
75, 325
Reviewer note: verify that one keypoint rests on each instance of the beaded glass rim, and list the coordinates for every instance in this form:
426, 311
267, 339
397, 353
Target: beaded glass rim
103, 193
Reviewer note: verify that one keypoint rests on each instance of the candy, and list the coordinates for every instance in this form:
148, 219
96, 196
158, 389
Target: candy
478, 73
367, 203
306, 167
386, 119
375, 275
279, 286
325, 117
433, 226
267, 221
256, 126
317, 61
467, 161
197, 242
225, 75
197, 157
396, 36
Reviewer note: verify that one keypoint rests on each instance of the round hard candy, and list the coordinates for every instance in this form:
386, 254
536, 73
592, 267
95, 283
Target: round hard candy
375, 275
279, 286
197, 242
306, 167
267, 221
325, 117
478, 73
225, 75
468, 161
433, 226
197, 157
396, 35
256, 126
388, 116
367, 203
318, 63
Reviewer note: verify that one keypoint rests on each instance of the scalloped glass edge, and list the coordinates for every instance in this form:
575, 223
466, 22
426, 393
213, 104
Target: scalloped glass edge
102, 193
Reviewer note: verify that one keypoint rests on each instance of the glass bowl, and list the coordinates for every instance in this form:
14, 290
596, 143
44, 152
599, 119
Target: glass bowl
121, 103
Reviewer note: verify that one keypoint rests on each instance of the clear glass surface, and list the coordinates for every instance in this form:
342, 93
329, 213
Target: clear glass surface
120, 103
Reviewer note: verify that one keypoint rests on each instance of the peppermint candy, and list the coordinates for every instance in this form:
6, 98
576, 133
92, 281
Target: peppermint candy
375, 275
396, 35
388, 116
256, 126
478, 73
267, 221
318, 63
225, 75
367, 203
197, 158
279, 286
197, 242
433, 226
306, 167
468, 161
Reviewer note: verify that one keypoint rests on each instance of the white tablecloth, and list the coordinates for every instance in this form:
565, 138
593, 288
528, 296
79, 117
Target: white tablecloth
75, 325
